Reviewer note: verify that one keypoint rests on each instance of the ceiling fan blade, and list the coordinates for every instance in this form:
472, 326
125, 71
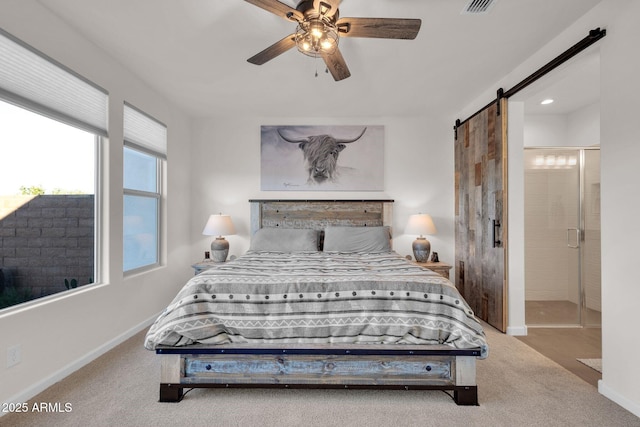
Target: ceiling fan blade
326, 7
382, 28
336, 65
274, 50
278, 8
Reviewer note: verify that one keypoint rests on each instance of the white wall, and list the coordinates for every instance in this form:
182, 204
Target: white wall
418, 172
545, 131
59, 334
581, 128
620, 151
515, 251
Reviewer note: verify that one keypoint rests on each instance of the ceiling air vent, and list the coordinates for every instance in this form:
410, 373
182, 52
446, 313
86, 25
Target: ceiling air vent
478, 6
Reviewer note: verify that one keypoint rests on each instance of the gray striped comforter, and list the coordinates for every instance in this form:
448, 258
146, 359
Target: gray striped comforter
318, 297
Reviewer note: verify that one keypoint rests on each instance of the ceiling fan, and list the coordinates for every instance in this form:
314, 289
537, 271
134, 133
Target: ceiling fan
320, 28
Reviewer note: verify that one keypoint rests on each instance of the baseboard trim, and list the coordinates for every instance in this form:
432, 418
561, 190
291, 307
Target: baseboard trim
57, 376
610, 394
517, 331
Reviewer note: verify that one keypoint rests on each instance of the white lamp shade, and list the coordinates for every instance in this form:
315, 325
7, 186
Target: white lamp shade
420, 224
219, 225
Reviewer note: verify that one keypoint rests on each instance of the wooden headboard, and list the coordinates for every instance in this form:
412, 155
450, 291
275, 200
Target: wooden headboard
317, 214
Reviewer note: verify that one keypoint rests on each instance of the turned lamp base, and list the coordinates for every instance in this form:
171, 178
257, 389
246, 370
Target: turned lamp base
421, 249
219, 249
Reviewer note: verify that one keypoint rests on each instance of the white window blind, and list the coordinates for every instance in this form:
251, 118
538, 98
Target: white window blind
143, 132
32, 80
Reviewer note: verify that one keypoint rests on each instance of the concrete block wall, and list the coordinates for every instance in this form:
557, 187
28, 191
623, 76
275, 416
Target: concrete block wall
45, 240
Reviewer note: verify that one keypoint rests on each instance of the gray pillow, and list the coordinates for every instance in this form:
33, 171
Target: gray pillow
284, 240
357, 239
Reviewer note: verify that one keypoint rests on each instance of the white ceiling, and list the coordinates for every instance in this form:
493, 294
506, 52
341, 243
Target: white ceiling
573, 85
194, 52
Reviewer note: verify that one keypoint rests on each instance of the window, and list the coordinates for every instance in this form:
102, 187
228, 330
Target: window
141, 209
51, 124
144, 156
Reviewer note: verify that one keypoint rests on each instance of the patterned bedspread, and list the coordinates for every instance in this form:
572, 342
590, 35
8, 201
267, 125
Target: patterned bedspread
318, 297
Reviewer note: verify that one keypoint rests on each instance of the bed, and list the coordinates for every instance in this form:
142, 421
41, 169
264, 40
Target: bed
319, 300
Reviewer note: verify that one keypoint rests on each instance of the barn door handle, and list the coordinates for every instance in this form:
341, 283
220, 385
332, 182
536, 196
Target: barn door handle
496, 224
577, 245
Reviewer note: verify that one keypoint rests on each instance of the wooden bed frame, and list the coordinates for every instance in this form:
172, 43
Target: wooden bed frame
424, 367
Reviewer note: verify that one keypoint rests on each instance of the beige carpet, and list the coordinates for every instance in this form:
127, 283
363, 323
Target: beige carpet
517, 387
592, 363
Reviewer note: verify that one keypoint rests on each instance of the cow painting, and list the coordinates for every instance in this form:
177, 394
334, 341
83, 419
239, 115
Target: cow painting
321, 154
322, 158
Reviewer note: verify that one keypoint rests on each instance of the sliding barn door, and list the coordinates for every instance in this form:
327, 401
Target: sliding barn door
481, 217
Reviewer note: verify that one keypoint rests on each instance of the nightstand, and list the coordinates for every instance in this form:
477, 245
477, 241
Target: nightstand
439, 267
201, 266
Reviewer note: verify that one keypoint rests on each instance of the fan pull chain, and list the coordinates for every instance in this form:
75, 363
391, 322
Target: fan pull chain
326, 69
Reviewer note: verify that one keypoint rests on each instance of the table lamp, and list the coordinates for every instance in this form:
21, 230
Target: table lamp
421, 224
219, 225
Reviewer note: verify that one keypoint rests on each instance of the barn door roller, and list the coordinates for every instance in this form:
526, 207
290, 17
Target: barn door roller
500, 95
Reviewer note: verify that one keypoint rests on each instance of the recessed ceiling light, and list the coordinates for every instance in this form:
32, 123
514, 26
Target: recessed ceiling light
547, 101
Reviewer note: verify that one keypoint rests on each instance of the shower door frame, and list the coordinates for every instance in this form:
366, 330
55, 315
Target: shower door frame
578, 242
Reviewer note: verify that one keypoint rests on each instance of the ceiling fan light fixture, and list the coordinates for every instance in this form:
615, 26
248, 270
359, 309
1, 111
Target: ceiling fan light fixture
327, 44
316, 28
316, 37
320, 27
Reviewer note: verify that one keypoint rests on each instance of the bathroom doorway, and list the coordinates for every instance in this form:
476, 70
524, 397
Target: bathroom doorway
562, 237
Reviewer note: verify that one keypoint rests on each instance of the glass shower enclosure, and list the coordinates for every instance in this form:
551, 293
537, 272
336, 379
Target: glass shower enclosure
562, 237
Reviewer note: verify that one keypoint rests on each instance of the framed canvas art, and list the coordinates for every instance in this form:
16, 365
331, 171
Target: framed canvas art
322, 158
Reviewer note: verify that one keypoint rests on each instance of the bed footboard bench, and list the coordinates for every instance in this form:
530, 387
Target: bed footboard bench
319, 366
